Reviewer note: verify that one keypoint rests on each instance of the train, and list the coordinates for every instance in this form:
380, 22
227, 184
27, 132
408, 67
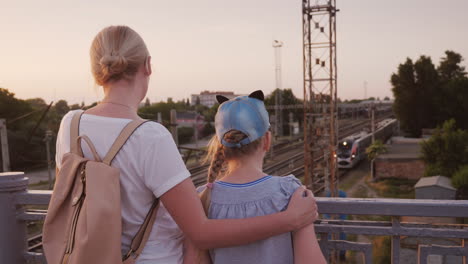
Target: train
352, 149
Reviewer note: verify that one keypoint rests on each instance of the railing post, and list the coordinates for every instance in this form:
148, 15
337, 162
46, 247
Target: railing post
395, 240
13, 242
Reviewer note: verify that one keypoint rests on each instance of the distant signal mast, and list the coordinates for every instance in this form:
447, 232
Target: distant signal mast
278, 100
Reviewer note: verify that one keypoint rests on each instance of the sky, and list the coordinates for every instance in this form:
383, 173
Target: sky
219, 45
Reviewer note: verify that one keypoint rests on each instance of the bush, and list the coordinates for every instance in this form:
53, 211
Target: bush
460, 178
185, 134
208, 130
446, 151
375, 149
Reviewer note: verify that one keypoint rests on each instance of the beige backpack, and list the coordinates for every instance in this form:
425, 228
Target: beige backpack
83, 224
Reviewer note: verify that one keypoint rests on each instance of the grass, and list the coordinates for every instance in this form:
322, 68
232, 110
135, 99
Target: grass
349, 182
394, 188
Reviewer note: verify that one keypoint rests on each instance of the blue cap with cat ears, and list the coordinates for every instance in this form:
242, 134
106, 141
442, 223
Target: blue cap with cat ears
246, 114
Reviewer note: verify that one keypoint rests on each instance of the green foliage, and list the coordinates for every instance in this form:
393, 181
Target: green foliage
375, 149
460, 178
382, 250
425, 97
446, 151
415, 89
288, 98
449, 68
12, 108
151, 111
208, 130
61, 107
185, 134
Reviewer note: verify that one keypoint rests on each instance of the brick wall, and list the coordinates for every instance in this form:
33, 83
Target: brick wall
406, 169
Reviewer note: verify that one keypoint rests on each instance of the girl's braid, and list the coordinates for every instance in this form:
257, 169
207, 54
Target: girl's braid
216, 164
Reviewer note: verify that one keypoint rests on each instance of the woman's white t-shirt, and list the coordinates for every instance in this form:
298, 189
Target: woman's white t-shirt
150, 165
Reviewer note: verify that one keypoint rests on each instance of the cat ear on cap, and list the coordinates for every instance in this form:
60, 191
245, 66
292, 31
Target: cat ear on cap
221, 99
257, 95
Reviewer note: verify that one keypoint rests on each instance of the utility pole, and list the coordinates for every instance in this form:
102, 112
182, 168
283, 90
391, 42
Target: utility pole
195, 132
4, 143
159, 118
291, 125
372, 107
365, 90
173, 126
47, 139
278, 100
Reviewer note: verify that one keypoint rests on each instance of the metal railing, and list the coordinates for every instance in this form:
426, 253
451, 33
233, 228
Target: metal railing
15, 198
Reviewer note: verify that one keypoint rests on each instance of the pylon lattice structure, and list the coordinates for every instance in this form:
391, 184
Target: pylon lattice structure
320, 92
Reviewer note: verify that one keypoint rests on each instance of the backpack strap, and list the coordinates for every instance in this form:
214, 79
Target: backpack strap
74, 133
141, 237
121, 140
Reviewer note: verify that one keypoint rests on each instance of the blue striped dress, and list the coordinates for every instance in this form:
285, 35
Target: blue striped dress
264, 196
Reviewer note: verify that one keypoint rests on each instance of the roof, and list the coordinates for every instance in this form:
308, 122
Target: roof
402, 149
189, 115
440, 181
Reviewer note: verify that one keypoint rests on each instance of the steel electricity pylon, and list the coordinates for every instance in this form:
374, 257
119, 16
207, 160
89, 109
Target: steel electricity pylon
320, 92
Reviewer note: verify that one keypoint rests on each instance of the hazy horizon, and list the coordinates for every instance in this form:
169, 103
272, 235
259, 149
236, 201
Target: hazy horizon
217, 45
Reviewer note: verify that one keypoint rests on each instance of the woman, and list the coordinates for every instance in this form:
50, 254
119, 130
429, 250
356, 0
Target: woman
150, 164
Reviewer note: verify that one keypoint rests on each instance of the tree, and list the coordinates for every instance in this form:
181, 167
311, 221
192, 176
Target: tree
185, 134
61, 107
460, 181
147, 102
450, 68
375, 149
426, 97
414, 89
37, 103
75, 107
287, 98
11, 107
451, 101
386, 98
445, 151
460, 178
197, 101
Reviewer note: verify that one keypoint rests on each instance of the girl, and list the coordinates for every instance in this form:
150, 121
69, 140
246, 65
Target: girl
244, 190
150, 164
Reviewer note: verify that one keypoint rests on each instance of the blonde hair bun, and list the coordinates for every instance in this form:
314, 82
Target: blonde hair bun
116, 53
112, 65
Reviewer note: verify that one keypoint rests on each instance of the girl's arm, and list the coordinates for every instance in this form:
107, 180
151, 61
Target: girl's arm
194, 255
306, 247
184, 205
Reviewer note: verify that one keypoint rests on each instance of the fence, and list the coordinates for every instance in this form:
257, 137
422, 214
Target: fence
15, 198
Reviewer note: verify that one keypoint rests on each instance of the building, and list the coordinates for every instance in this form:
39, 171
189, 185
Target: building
208, 98
189, 119
435, 187
402, 160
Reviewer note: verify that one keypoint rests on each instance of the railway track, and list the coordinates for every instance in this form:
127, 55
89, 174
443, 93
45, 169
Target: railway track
291, 159
292, 163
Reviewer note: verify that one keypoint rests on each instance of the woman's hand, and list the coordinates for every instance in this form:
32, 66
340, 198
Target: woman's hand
302, 208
